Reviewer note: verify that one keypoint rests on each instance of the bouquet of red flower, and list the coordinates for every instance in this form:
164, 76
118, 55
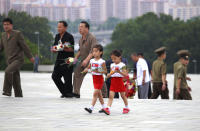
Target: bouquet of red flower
131, 89
58, 47
70, 61
116, 69
61, 46
99, 69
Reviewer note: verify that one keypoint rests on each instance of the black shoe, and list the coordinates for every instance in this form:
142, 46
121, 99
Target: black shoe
62, 96
69, 95
6, 94
88, 110
76, 95
101, 111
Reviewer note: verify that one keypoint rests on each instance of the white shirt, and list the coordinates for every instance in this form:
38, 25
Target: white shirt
96, 64
142, 66
114, 67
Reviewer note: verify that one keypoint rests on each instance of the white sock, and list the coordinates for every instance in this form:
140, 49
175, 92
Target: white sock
108, 107
92, 107
103, 106
126, 106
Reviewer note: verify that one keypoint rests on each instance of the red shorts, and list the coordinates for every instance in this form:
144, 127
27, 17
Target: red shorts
117, 84
98, 81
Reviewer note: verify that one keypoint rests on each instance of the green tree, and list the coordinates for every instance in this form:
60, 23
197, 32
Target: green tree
151, 31
28, 25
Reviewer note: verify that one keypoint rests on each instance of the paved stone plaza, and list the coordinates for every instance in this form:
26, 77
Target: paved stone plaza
41, 109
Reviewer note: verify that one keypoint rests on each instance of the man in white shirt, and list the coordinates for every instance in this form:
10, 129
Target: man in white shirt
143, 77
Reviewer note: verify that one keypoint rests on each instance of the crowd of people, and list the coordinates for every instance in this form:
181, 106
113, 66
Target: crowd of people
89, 59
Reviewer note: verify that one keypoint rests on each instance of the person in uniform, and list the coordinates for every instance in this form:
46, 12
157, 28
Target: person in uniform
86, 44
176, 64
182, 90
159, 75
60, 69
14, 45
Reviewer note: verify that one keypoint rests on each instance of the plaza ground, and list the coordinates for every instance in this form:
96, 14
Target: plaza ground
41, 109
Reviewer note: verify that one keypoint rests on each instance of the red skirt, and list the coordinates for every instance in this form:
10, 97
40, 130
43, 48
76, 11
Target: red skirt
117, 84
98, 81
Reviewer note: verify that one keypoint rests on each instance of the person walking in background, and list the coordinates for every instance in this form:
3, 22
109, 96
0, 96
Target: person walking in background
182, 91
150, 73
36, 63
159, 75
14, 46
86, 44
142, 75
98, 68
176, 65
65, 70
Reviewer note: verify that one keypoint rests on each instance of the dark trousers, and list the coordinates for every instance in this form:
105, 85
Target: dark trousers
174, 93
65, 87
108, 82
184, 95
157, 90
35, 68
149, 92
12, 79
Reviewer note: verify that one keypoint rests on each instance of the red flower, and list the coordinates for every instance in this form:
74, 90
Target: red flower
117, 68
67, 61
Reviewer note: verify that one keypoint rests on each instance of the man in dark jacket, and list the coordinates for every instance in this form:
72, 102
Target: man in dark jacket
65, 70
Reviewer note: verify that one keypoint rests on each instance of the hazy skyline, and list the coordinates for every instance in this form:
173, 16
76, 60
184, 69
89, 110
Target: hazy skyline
99, 11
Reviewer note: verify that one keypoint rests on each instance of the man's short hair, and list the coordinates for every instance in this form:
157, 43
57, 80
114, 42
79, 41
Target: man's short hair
64, 23
86, 24
140, 54
134, 54
8, 20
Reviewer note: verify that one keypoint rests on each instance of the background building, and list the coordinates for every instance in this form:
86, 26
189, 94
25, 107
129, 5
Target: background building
99, 11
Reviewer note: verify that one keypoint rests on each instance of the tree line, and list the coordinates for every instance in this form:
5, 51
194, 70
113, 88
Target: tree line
142, 34
28, 25
151, 31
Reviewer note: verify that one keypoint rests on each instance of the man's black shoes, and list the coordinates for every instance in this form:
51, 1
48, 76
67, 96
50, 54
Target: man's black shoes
62, 96
70, 95
6, 94
76, 95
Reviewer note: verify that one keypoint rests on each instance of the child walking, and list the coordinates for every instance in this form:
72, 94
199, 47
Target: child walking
118, 71
98, 68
